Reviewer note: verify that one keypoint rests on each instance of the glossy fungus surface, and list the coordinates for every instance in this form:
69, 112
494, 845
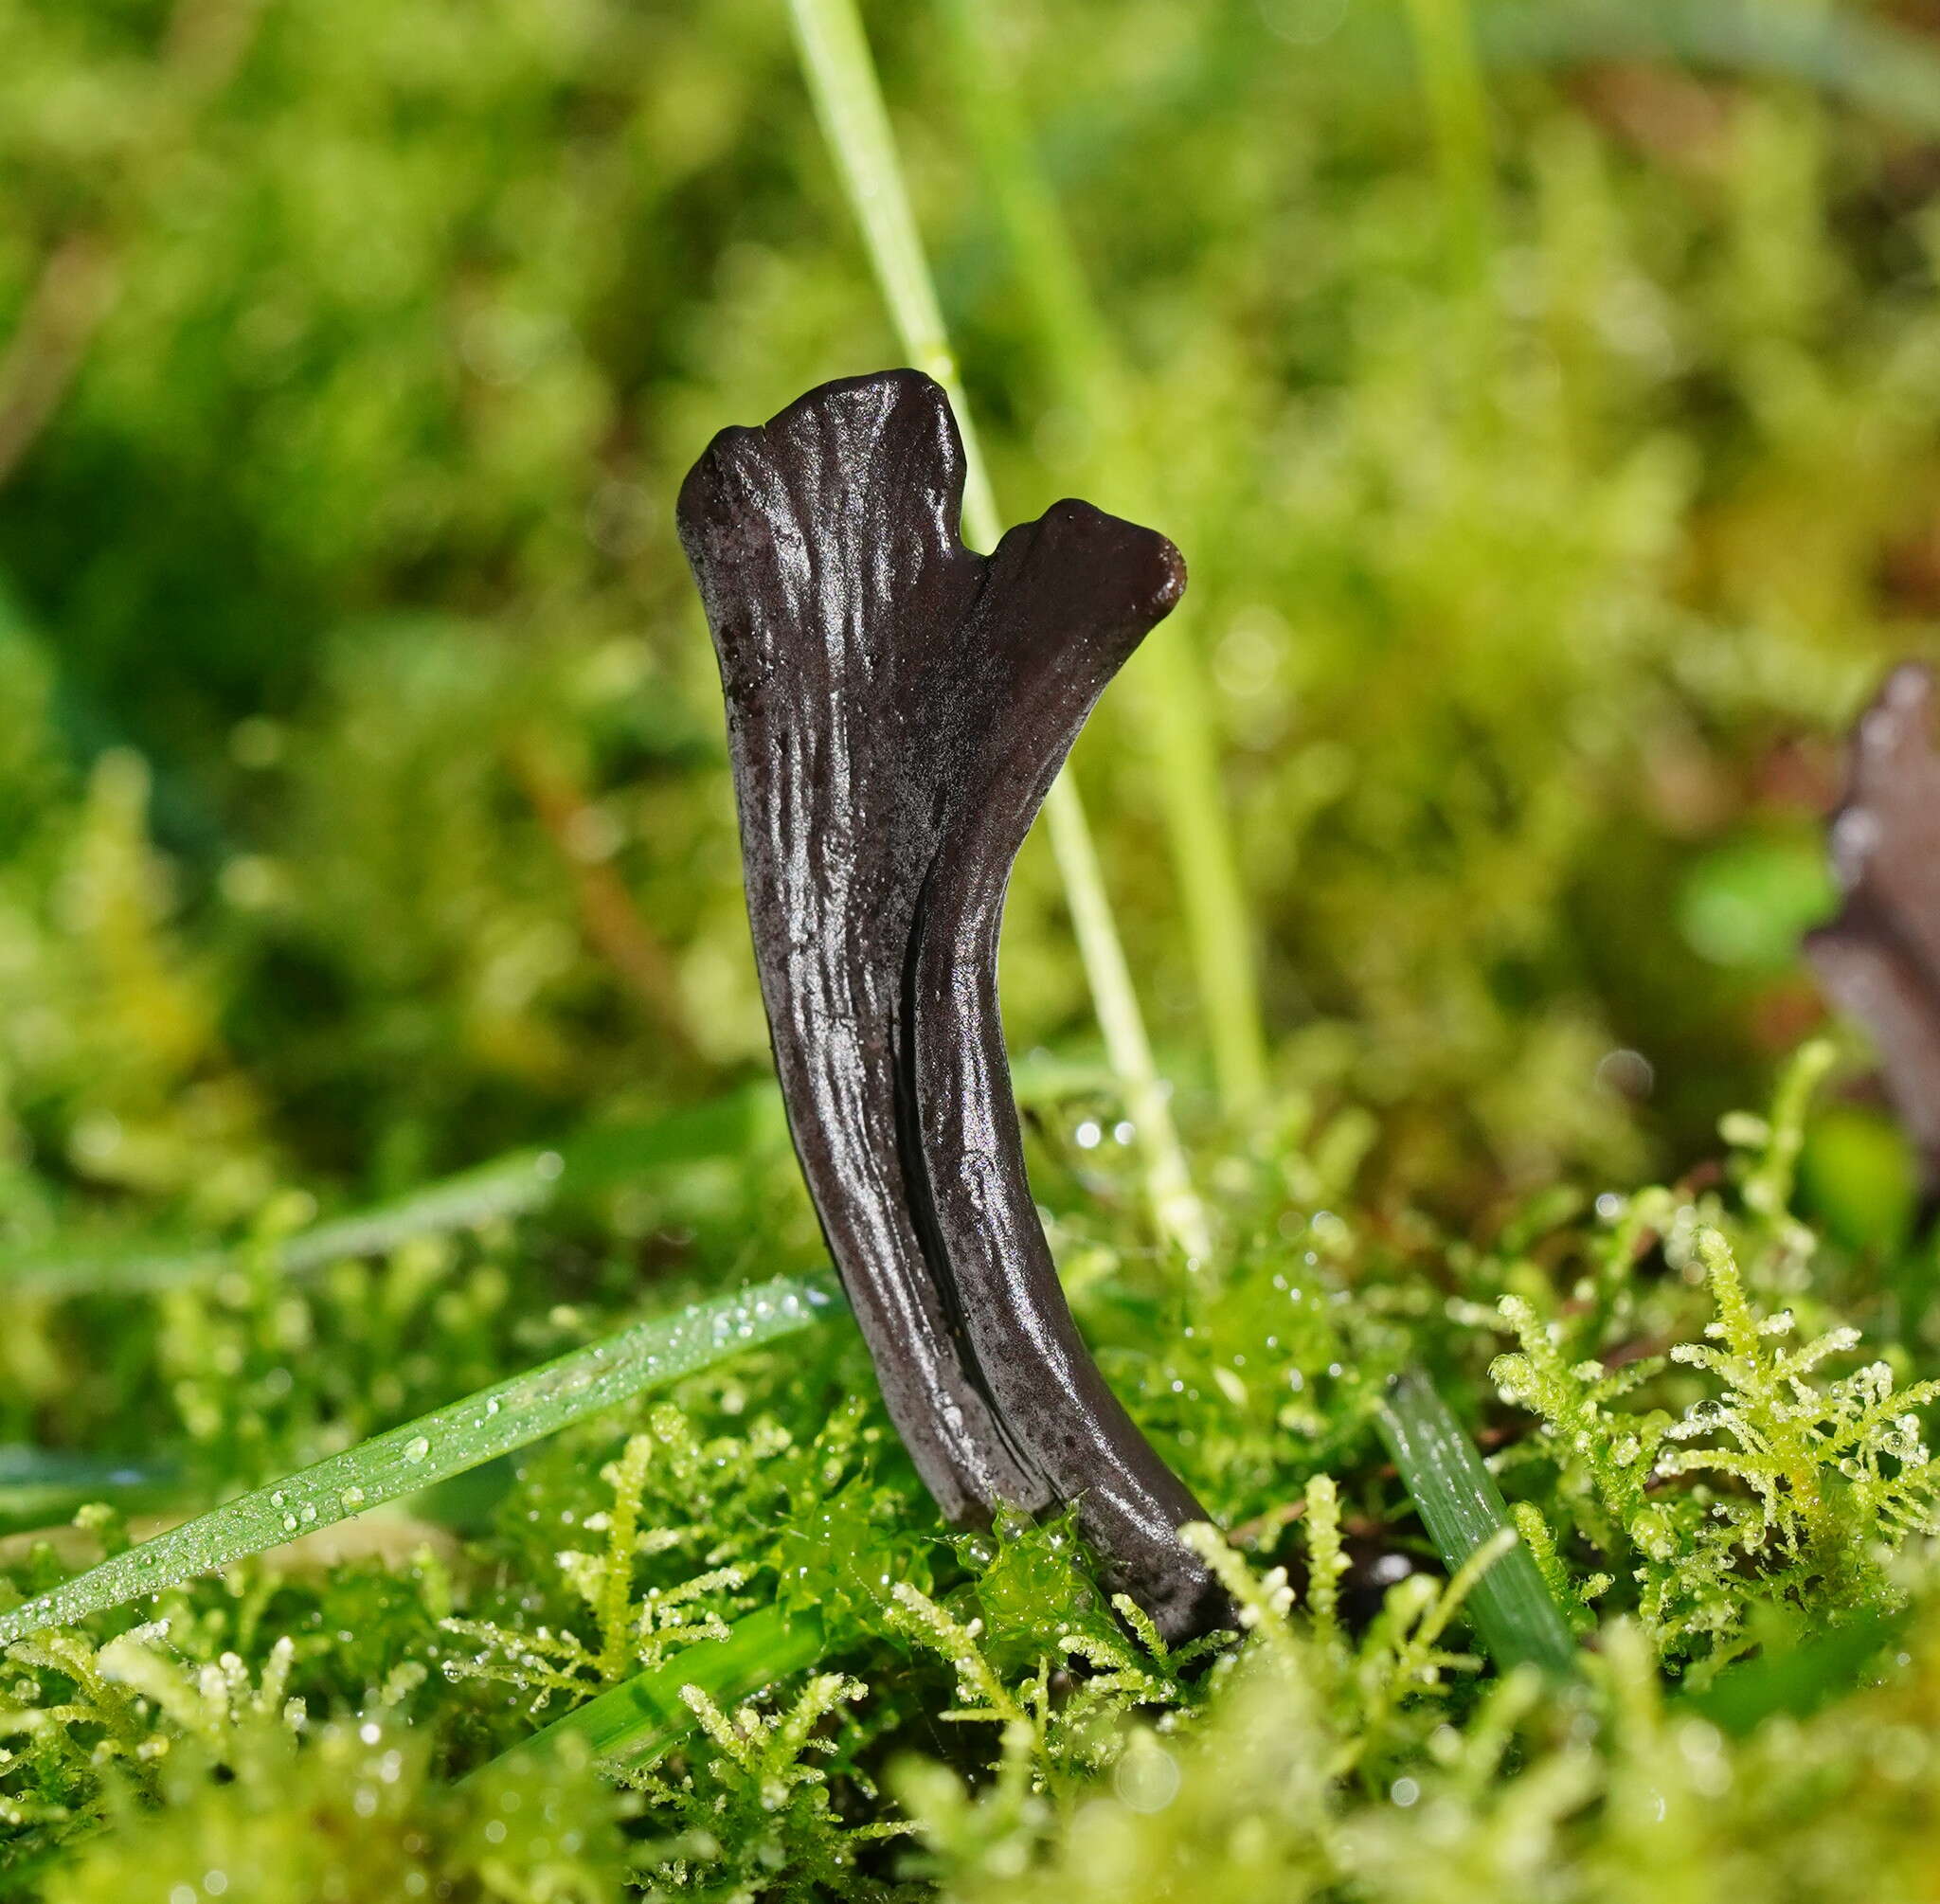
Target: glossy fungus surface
898, 707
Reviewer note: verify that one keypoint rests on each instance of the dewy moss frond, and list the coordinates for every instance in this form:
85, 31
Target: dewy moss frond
1833, 1467
1606, 1457
354, 1811
1326, 1562
760, 1803
631, 1634
730, 1561
1820, 1478
104, 1724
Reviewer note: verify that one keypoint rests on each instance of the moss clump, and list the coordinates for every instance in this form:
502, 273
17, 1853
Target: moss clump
1558, 471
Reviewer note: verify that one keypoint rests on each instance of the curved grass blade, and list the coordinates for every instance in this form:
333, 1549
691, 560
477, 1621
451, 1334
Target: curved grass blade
1171, 697
1462, 1508
513, 1186
40, 1487
636, 1721
436, 1447
840, 71
599, 1158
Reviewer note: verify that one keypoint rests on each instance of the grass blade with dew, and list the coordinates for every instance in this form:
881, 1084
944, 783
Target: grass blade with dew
848, 103
434, 1448
638, 1719
1462, 1508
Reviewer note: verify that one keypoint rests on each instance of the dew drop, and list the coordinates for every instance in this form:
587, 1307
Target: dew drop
416, 1449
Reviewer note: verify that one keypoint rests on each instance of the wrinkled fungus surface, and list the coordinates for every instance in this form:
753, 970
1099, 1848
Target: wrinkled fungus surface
897, 709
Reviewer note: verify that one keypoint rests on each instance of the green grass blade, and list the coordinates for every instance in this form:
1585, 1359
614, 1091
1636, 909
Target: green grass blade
1862, 61
1462, 1508
599, 1156
594, 1159
40, 1487
434, 1448
1799, 1680
848, 103
1458, 112
1175, 1205
510, 1186
640, 1717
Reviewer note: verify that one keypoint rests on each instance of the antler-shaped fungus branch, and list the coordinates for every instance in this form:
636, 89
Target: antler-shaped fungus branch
897, 709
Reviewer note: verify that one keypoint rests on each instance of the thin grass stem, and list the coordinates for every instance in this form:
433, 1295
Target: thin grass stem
847, 100
1458, 115
506, 1188
1449, 68
599, 1156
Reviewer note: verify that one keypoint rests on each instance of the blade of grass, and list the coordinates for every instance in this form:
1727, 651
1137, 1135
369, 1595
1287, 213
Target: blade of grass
638, 1719
1175, 1205
1798, 1680
1867, 62
41, 1487
434, 1448
510, 1186
1092, 380
849, 104
1458, 116
1462, 1510
592, 1160
597, 1158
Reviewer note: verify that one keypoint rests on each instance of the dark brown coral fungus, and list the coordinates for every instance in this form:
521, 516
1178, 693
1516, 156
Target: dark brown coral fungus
897, 709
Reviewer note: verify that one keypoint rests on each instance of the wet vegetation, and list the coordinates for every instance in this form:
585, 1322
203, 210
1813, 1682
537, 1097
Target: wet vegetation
1546, 400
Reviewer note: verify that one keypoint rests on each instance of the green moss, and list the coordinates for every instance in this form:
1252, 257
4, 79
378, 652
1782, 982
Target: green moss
1556, 478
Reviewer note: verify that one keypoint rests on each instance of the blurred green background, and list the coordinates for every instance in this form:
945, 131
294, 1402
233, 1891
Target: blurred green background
1547, 400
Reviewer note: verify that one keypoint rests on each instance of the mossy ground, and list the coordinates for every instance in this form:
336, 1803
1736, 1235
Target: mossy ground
1552, 501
